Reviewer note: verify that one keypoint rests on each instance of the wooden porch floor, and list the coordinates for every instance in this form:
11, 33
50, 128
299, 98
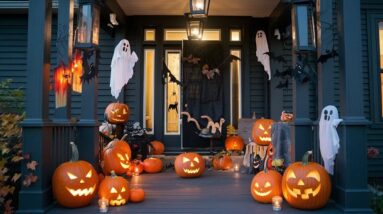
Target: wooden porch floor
214, 192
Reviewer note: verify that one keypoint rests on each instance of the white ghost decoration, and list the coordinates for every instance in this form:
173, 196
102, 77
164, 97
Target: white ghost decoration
263, 51
328, 136
122, 65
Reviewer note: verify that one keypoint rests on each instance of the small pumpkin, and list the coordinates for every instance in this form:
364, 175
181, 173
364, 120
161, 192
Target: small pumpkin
153, 165
137, 195
116, 157
74, 183
222, 162
261, 131
157, 147
136, 168
115, 189
117, 113
189, 165
234, 143
306, 185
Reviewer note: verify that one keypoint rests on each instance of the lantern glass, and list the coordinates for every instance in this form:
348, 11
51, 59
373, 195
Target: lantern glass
199, 8
88, 25
304, 32
194, 28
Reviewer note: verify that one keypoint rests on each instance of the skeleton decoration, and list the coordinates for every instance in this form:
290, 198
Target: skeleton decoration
262, 48
209, 73
122, 65
328, 136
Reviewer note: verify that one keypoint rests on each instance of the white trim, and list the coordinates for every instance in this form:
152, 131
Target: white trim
153, 89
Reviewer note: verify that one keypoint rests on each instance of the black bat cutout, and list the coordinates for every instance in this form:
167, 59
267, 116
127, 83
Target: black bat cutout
173, 106
166, 72
89, 69
283, 84
287, 72
279, 58
328, 55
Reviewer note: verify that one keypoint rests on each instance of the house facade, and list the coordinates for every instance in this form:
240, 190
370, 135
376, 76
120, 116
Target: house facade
351, 80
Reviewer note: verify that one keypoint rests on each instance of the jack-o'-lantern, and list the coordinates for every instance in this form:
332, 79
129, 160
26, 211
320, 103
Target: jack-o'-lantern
306, 185
137, 195
136, 168
117, 113
115, 189
153, 165
74, 183
261, 131
116, 157
222, 162
157, 147
265, 185
234, 143
189, 165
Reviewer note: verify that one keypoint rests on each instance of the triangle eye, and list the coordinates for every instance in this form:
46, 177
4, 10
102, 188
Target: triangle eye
89, 174
123, 189
261, 127
267, 184
120, 157
314, 174
71, 176
256, 185
184, 160
291, 174
113, 190
196, 159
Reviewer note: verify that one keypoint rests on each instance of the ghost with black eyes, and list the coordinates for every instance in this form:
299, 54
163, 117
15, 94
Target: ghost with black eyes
122, 65
328, 136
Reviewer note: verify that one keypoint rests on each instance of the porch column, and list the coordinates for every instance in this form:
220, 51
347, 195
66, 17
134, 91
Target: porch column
36, 130
350, 191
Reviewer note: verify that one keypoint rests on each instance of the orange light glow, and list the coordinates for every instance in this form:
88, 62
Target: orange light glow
76, 66
62, 77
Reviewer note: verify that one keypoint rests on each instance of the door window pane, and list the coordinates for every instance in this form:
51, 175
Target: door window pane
148, 117
172, 94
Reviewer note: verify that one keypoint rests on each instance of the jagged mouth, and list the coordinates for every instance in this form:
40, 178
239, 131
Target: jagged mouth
125, 166
191, 171
117, 202
296, 192
262, 194
265, 138
81, 192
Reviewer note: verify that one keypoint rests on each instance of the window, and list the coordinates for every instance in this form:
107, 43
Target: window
149, 63
180, 34
235, 35
381, 66
235, 88
150, 35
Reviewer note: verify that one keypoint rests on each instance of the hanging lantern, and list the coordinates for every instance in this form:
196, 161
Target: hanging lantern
88, 25
76, 66
194, 27
303, 24
62, 78
199, 8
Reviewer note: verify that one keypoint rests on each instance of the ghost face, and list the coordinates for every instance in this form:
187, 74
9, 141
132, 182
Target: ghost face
329, 113
124, 47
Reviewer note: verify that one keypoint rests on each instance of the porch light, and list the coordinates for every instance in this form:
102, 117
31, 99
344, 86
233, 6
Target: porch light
199, 8
304, 25
88, 25
194, 27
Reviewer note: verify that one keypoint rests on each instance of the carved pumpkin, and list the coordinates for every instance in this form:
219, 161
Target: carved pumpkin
153, 165
136, 168
74, 183
188, 165
116, 157
265, 185
234, 143
117, 113
262, 131
222, 162
306, 185
157, 147
137, 195
115, 189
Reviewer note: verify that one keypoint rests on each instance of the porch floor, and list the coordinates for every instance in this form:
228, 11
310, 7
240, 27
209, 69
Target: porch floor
214, 192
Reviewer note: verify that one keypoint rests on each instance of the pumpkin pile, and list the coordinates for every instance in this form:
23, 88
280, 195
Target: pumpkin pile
222, 162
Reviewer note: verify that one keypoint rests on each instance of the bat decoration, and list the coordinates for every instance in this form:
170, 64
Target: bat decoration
287, 72
276, 58
191, 59
89, 69
283, 84
300, 72
166, 72
328, 55
173, 106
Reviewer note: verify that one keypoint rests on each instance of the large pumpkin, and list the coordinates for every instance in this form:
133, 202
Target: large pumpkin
137, 195
234, 143
117, 113
188, 165
306, 185
261, 131
74, 183
157, 147
116, 157
153, 165
115, 189
265, 185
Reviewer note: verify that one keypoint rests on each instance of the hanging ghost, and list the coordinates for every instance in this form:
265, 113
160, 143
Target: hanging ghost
122, 65
328, 136
262, 50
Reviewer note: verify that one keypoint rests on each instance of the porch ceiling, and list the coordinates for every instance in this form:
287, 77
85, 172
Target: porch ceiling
254, 8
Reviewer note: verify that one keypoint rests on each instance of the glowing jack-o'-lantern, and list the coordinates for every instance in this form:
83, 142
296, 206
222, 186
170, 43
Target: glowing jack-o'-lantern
188, 165
116, 156
115, 189
117, 113
265, 185
262, 131
74, 183
234, 143
306, 185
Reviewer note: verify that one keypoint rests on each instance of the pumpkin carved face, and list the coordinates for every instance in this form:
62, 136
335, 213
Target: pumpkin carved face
188, 165
234, 143
306, 186
265, 185
116, 156
117, 113
115, 189
262, 131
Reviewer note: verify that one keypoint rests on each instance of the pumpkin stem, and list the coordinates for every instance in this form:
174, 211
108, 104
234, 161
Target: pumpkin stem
113, 174
74, 152
306, 156
124, 137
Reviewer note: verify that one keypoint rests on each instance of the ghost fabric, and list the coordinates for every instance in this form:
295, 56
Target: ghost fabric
328, 136
280, 138
122, 65
262, 48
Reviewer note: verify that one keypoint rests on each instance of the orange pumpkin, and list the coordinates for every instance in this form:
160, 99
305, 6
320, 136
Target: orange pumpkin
74, 183
222, 162
234, 143
117, 113
261, 131
189, 165
137, 195
116, 157
136, 168
265, 185
153, 165
306, 185
157, 147
115, 189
